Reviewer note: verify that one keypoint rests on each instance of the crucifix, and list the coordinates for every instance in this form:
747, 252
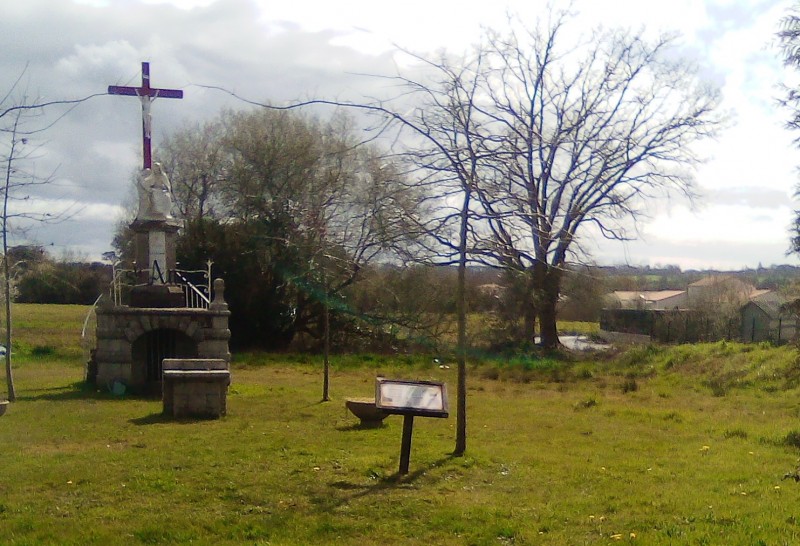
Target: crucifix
146, 94
154, 226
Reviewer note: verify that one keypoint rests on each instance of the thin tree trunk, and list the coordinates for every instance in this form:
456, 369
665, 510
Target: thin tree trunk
461, 349
12, 395
326, 347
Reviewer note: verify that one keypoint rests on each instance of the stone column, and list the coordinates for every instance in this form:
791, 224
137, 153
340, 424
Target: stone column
155, 244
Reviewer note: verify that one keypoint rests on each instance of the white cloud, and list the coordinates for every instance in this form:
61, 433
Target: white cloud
115, 53
722, 223
280, 51
182, 4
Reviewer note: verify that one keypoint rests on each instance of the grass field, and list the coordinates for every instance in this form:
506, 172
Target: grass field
678, 445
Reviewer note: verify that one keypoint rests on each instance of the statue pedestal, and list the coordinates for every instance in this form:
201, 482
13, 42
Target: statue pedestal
155, 247
158, 296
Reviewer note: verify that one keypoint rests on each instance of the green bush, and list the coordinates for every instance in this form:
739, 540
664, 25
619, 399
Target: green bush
792, 439
42, 350
629, 385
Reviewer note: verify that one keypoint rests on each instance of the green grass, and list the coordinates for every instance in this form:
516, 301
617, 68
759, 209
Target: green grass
50, 330
573, 459
578, 328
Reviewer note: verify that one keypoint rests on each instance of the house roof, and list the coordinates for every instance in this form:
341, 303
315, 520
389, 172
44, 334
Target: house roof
647, 295
763, 294
711, 280
725, 281
772, 304
770, 308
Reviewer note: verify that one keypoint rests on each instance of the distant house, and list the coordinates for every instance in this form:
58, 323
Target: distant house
710, 308
765, 318
652, 299
717, 289
758, 293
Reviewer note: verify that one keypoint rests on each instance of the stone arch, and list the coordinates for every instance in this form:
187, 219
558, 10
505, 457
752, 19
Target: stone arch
152, 347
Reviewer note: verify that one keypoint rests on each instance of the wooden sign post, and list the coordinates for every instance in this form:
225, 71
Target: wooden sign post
410, 398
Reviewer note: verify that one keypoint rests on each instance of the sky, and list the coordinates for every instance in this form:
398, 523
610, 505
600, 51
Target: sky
280, 51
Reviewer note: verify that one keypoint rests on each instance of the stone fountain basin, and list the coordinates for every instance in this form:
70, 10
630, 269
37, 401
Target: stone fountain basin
366, 410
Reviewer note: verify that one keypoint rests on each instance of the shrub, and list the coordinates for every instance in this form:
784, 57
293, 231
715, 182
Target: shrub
43, 350
639, 355
735, 433
586, 404
792, 439
719, 387
630, 385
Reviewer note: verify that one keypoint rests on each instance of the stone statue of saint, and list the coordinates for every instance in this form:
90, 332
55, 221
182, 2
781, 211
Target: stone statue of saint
155, 202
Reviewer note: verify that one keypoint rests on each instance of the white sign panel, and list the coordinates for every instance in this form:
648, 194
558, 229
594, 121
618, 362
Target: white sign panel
411, 397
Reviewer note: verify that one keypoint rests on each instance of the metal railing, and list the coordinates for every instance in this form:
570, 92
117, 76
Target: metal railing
197, 296
122, 280
196, 285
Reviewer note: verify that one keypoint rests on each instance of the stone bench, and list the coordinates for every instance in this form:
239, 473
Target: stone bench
195, 387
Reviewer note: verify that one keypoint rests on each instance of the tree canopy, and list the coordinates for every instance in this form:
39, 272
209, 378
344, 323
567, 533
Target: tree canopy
290, 209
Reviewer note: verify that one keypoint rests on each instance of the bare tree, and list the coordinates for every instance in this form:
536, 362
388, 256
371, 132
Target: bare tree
789, 40
18, 155
21, 119
593, 134
195, 158
448, 150
541, 140
563, 136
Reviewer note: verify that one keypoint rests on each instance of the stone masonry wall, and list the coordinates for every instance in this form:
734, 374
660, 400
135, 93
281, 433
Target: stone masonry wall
119, 327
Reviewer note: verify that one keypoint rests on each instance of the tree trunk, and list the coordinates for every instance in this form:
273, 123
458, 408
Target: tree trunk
326, 349
549, 285
461, 349
12, 393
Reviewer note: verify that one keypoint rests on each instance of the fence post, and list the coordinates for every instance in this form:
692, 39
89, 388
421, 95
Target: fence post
208, 278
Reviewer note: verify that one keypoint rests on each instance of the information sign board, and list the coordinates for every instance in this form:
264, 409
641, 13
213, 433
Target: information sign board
424, 398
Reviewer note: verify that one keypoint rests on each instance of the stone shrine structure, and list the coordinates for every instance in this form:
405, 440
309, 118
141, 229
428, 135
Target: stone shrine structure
157, 313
